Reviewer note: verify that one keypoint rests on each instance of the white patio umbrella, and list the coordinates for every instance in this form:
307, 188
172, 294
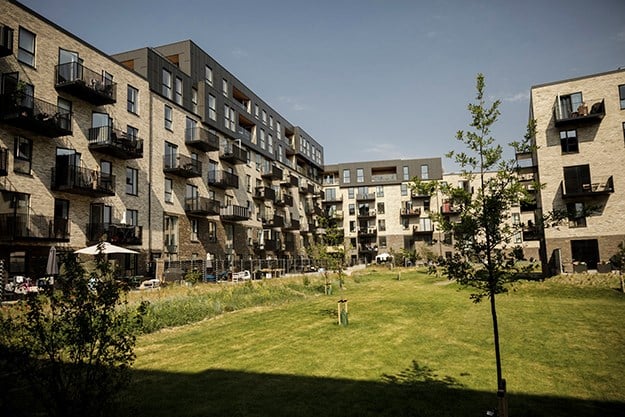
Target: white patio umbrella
104, 247
52, 268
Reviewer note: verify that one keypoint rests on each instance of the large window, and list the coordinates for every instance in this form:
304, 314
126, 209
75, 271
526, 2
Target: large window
405, 173
425, 172
132, 181
346, 176
568, 141
621, 95
132, 217
166, 84
133, 100
224, 87
212, 231
360, 175
195, 230
23, 155
577, 179
576, 214
404, 190
169, 190
26, 47
229, 121
212, 107
178, 91
194, 100
569, 105
208, 75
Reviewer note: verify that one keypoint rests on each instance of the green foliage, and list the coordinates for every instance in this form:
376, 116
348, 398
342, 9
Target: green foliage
193, 277
74, 346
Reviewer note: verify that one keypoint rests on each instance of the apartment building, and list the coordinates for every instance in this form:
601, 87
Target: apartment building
231, 177
210, 169
372, 201
580, 145
74, 133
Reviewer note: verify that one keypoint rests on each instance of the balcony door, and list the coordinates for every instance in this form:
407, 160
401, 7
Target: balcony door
70, 66
61, 218
67, 164
101, 124
99, 221
577, 179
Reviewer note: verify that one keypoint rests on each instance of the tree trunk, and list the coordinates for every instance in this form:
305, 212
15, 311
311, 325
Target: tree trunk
501, 383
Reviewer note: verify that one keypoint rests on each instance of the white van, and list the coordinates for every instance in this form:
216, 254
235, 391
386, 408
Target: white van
150, 284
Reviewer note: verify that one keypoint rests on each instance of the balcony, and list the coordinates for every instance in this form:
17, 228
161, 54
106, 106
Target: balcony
365, 214
449, 208
28, 227
116, 233
270, 245
289, 244
417, 195
367, 232
233, 154
6, 41
222, 179
115, 143
530, 233
337, 215
264, 193
81, 82
234, 213
271, 172
34, 115
365, 197
284, 199
201, 206
410, 212
418, 230
4, 160
82, 181
275, 221
589, 112
182, 166
292, 225
244, 133
591, 190
201, 139
292, 181
332, 199
306, 188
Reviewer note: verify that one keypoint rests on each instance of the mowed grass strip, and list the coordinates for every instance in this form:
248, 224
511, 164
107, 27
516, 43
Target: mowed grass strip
561, 341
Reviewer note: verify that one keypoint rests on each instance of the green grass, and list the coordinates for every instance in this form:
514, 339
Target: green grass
415, 346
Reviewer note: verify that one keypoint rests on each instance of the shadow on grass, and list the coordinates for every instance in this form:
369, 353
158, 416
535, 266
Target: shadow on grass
416, 391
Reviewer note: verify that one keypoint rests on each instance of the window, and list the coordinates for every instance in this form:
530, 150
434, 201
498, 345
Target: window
270, 143
350, 193
212, 107
262, 139
516, 219
518, 237
360, 175
212, 232
168, 117
576, 214
569, 105
194, 230
169, 192
346, 177
382, 241
194, 100
178, 91
132, 217
132, 133
224, 87
166, 84
65, 111
23, 155
170, 233
278, 131
171, 155
405, 173
256, 110
270, 122
132, 181
380, 208
404, 190
621, 95
577, 179
26, 47
264, 117
425, 172
568, 141
208, 75
381, 225
248, 183
133, 100
352, 209
229, 121
379, 191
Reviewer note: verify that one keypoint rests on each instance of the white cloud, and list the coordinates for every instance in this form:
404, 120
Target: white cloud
516, 98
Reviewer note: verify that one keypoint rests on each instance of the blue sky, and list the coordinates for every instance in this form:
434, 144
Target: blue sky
373, 79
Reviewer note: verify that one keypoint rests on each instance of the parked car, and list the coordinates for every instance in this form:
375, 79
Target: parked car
214, 277
150, 284
243, 275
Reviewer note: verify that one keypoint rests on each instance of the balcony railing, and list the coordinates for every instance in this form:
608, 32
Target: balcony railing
383, 177
181, 165
233, 154
4, 160
202, 139
291, 181
306, 188
284, 199
202, 206
449, 208
265, 193
234, 213
418, 230
244, 133
292, 225
410, 212
365, 214
365, 197
22, 227
83, 181
271, 172
270, 245
367, 232
332, 199
114, 142
588, 112
117, 233
276, 221
531, 233
222, 179
35, 115
594, 189
6, 41
76, 79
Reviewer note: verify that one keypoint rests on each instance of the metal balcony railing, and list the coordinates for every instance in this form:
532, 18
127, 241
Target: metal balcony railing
202, 139
114, 142
202, 206
182, 166
26, 226
117, 233
84, 83
222, 179
35, 115
84, 181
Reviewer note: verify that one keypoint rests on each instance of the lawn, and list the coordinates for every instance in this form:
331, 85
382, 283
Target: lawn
413, 346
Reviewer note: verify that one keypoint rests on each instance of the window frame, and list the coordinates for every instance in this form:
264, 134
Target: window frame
23, 52
569, 144
621, 94
166, 83
178, 91
17, 155
132, 99
168, 121
132, 181
168, 191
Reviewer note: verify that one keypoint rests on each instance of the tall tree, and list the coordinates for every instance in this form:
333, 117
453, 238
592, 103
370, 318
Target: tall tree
483, 258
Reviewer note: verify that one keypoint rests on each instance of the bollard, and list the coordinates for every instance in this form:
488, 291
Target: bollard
342, 313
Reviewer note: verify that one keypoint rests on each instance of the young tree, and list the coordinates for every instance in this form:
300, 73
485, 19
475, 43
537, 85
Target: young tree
73, 346
482, 258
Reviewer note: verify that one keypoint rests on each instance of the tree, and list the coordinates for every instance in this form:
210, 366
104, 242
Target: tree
483, 258
74, 345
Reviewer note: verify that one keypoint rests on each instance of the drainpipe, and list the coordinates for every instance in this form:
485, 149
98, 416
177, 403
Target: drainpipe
150, 179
